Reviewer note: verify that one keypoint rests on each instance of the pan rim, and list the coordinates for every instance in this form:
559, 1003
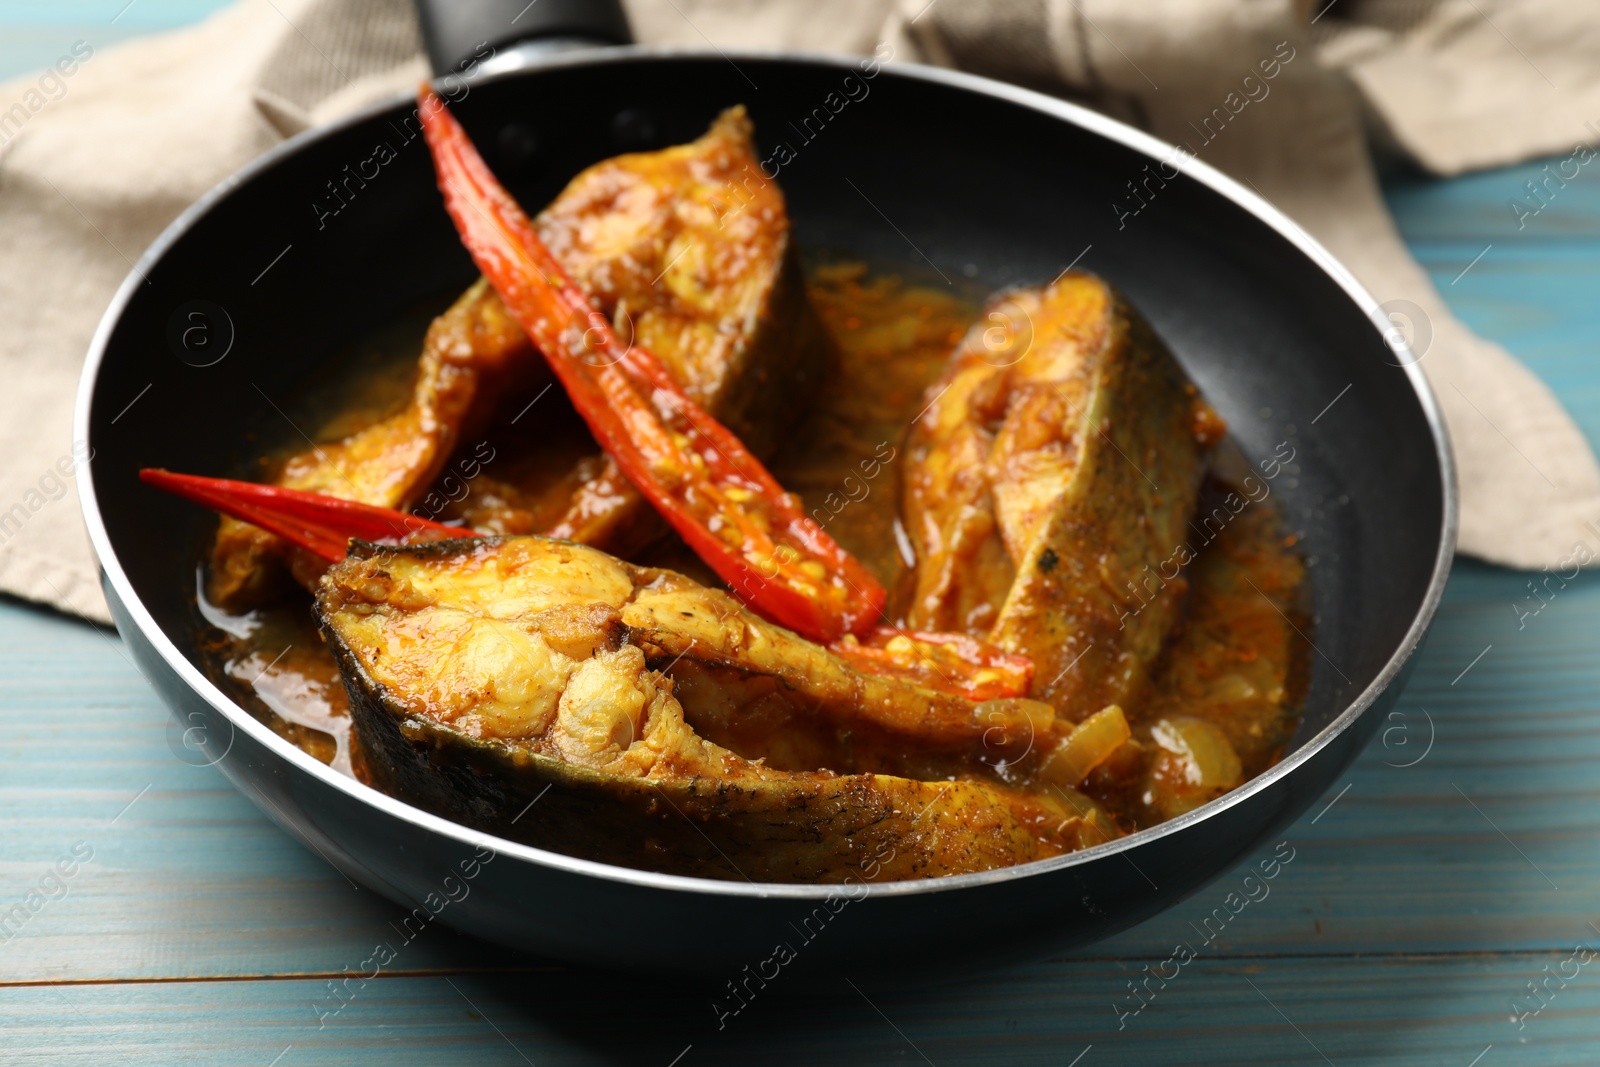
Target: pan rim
239, 718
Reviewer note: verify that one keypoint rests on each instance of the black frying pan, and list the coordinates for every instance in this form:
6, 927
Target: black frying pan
969, 175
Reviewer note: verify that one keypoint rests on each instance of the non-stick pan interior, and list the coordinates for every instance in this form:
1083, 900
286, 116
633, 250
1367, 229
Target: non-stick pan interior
327, 242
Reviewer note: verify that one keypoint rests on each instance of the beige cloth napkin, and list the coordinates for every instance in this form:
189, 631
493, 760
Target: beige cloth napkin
100, 153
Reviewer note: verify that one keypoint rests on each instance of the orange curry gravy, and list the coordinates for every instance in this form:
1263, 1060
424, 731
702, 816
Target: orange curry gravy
1235, 661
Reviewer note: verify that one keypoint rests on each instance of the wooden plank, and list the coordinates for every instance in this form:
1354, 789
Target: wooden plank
1279, 1012
1404, 861
1477, 207
190, 879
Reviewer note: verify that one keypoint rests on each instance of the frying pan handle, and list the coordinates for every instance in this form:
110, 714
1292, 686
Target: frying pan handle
455, 31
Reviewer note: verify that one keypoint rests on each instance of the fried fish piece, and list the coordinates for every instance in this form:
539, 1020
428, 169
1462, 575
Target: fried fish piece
687, 250
487, 674
1047, 489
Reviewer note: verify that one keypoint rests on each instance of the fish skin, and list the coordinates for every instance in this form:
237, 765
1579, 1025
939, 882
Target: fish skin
1049, 483
411, 627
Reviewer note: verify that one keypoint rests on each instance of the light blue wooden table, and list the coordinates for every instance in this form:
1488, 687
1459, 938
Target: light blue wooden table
1421, 902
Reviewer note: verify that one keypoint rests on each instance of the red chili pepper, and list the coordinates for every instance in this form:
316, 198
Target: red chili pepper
697, 474
954, 663
322, 525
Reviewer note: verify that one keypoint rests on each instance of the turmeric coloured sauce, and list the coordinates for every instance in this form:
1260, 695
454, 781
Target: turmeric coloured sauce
1235, 667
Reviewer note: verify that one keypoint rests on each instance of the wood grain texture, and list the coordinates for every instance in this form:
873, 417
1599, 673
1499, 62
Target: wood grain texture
1420, 901
1406, 1012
